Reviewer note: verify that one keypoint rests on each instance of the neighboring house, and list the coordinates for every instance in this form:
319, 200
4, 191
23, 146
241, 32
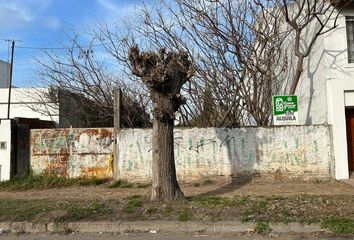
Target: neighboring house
4, 74
26, 103
326, 89
34, 103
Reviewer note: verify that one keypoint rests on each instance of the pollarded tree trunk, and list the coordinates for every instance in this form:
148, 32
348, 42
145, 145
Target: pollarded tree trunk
164, 183
164, 74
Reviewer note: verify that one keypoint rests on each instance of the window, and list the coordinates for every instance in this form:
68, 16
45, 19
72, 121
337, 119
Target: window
2, 145
350, 38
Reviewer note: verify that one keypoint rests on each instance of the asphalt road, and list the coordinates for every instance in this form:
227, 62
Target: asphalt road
164, 236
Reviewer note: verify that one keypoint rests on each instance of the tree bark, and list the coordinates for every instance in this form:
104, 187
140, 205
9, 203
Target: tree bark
165, 186
164, 183
298, 72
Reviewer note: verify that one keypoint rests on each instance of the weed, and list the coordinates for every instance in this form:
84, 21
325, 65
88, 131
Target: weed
262, 227
185, 215
339, 225
23, 210
152, 210
93, 181
121, 184
47, 181
254, 212
258, 206
169, 209
143, 185
133, 205
244, 199
90, 210
285, 215
214, 201
134, 196
276, 198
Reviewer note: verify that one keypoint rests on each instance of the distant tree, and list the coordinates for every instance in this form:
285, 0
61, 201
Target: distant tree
164, 74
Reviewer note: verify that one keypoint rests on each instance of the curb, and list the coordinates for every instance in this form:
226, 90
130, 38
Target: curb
154, 227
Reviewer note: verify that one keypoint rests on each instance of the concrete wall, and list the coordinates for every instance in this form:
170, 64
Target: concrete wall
72, 152
5, 149
292, 152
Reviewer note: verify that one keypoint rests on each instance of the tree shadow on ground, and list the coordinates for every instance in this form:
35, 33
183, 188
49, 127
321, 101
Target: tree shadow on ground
235, 183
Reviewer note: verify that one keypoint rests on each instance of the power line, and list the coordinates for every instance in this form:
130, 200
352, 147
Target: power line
11, 69
61, 48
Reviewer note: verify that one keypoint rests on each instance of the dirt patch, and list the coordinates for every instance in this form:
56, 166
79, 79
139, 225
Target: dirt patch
209, 201
215, 187
304, 209
50, 216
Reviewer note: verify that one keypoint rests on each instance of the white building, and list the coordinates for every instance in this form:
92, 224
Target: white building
27, 103
326, 89
36, 103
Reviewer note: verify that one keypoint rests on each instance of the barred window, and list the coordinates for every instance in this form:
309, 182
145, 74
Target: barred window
350, 38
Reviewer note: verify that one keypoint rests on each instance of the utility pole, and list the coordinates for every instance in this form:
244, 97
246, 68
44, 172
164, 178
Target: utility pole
117, 93
11, 68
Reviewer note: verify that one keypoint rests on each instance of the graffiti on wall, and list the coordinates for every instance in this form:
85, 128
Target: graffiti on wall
296, 150
72, 152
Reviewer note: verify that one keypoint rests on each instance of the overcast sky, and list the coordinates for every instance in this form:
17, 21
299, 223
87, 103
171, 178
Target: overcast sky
45, 23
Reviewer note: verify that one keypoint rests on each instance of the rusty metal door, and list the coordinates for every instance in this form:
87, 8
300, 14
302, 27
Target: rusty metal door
349, 114
23, 150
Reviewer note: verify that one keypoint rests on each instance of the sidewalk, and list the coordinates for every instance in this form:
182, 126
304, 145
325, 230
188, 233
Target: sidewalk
154, 227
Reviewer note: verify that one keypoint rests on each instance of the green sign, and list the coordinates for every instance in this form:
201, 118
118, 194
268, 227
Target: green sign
285, 110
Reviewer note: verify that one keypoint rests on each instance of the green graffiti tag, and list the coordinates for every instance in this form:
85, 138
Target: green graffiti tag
140, 152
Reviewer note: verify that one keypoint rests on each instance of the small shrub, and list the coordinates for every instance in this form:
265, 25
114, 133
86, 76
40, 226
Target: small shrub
262, 227
339, 225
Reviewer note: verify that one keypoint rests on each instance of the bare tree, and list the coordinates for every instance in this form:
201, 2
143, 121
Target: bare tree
234, 45
244, 53
164, 74
82, 87
306, 21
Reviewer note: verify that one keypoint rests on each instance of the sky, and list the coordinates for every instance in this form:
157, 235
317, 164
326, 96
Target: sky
46, 23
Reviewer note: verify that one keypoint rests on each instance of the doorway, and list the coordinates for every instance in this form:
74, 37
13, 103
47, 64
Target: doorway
349, 116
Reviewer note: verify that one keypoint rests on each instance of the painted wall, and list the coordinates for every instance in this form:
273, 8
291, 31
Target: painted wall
5, 152
303, 152
72, 152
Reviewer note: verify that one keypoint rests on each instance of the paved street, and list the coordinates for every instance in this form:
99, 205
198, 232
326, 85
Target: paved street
165, 236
